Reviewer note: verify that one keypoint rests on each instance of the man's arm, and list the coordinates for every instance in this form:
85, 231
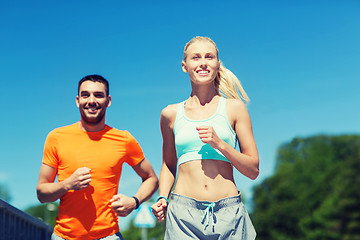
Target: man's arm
150, 182
124, 205
50, 191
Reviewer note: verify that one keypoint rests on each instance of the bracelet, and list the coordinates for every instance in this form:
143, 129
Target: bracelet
137, 202
159, 197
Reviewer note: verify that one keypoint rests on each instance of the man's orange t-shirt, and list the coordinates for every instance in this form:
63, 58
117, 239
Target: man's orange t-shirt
87, 214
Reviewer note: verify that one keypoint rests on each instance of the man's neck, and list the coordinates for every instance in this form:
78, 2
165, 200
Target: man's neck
86, 127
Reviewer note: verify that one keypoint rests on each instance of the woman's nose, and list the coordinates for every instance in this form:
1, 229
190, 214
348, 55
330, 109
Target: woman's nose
202, 62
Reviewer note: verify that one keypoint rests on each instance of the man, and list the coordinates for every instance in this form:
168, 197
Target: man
87, 159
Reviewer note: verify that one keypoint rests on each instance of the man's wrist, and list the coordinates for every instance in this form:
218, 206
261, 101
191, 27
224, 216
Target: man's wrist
137, 202
65, 185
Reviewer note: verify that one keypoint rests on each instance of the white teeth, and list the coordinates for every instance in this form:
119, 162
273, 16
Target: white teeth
202, 72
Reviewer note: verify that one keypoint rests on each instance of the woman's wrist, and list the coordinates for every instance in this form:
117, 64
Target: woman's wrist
160, 197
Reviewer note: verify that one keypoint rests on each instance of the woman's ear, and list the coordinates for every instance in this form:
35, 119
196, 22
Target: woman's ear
183, 65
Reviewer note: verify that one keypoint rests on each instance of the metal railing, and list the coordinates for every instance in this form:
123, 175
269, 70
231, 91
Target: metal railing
18, 225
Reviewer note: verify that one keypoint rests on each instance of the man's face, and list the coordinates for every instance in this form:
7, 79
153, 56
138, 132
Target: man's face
92, 102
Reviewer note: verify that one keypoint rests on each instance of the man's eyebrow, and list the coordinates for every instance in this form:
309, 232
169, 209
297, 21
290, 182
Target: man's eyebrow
99, 92
96, 92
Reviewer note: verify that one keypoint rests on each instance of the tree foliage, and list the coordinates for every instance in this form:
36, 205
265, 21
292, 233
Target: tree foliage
46, 212
5, 193
134, 233
314, 192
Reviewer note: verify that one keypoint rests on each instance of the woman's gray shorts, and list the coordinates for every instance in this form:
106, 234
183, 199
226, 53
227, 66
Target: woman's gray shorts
187, 218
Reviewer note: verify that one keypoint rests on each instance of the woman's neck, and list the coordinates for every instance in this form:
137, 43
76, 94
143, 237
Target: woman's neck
203, 94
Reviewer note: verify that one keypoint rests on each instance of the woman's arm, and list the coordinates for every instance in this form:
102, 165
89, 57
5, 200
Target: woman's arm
247, 160
168, 169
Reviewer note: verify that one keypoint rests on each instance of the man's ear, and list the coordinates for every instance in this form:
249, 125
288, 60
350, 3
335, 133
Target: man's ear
77, 101
183, 65
109, 101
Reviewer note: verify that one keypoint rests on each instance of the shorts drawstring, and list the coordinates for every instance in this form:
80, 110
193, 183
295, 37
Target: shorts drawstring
209, 210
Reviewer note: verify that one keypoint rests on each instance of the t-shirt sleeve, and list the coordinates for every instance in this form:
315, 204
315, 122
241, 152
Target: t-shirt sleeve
134, 153
50, 152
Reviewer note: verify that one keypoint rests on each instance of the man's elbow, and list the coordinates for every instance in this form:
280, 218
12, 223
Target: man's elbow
155, 183
41, 198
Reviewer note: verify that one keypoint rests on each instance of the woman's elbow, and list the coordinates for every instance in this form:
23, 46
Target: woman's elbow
255, 174
255, 171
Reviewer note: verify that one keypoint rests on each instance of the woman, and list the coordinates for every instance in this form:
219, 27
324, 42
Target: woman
199, 138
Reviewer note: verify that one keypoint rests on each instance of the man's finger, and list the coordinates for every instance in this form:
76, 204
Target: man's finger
115, 198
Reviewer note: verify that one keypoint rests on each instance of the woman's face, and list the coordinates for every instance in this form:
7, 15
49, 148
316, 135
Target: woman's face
201, 63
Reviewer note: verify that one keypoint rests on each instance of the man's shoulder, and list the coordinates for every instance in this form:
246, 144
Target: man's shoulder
64, 129
121, 136
118, 132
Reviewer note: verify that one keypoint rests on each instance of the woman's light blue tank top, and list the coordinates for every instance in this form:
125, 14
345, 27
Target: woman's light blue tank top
187, 141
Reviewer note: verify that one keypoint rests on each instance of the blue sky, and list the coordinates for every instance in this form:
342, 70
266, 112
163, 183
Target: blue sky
298, 61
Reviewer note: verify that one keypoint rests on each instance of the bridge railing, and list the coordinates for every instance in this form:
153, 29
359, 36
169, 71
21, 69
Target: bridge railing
18, 225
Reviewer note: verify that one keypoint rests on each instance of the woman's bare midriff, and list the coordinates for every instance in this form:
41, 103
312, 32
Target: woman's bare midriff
206, 180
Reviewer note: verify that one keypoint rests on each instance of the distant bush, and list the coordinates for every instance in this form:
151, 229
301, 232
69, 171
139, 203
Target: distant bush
314, 192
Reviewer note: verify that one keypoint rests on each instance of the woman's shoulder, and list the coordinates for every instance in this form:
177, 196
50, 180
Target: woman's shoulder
236, 110
235, 104
169, 112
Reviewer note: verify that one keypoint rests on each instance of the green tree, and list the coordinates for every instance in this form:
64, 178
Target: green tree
314, 192
134, 233
5, 193
46, 212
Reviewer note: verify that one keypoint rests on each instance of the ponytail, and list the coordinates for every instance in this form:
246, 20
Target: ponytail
229, 86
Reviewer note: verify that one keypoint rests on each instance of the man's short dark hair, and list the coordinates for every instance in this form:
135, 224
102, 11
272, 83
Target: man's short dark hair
95, 78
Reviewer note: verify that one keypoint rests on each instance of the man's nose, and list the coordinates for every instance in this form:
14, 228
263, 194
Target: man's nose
92, 99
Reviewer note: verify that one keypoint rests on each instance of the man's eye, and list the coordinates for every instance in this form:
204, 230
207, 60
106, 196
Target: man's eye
195, 57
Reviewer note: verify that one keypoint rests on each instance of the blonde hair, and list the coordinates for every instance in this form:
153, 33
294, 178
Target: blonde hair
226, 83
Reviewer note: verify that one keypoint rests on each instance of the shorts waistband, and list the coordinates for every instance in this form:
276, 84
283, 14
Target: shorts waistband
191, 202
